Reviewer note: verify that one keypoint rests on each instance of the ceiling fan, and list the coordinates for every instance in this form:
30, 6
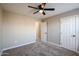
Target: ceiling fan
41, 8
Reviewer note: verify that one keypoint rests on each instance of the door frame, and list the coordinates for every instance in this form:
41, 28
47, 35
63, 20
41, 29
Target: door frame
46, 30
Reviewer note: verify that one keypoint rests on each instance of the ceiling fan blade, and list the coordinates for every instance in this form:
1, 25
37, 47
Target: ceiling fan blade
43, 13
49, 9
32, 7
35, 12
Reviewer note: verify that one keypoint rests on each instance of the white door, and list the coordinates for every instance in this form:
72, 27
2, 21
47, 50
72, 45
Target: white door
44, 31
68, 32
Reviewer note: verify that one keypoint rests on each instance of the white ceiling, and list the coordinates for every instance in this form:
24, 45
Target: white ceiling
22, 8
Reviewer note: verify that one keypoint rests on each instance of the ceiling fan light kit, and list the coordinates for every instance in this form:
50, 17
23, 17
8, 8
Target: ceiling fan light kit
41, 11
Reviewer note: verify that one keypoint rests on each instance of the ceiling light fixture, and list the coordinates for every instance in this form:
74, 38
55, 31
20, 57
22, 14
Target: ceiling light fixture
41, 11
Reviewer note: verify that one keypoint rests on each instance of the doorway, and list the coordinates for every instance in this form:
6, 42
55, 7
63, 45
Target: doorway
44, 31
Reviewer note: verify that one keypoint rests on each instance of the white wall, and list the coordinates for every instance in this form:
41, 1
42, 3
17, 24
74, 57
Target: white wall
53, 30
0, 29
17, 30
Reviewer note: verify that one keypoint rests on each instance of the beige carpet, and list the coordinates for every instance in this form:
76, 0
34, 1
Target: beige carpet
39, 49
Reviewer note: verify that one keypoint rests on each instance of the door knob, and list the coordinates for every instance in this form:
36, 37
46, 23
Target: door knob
73, 35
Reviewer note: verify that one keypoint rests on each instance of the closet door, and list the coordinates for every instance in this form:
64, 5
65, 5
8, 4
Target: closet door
68, 32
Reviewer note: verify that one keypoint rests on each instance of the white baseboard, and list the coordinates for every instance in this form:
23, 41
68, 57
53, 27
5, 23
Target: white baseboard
17, 46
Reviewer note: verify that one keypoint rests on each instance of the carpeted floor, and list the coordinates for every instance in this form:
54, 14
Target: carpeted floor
39, 49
